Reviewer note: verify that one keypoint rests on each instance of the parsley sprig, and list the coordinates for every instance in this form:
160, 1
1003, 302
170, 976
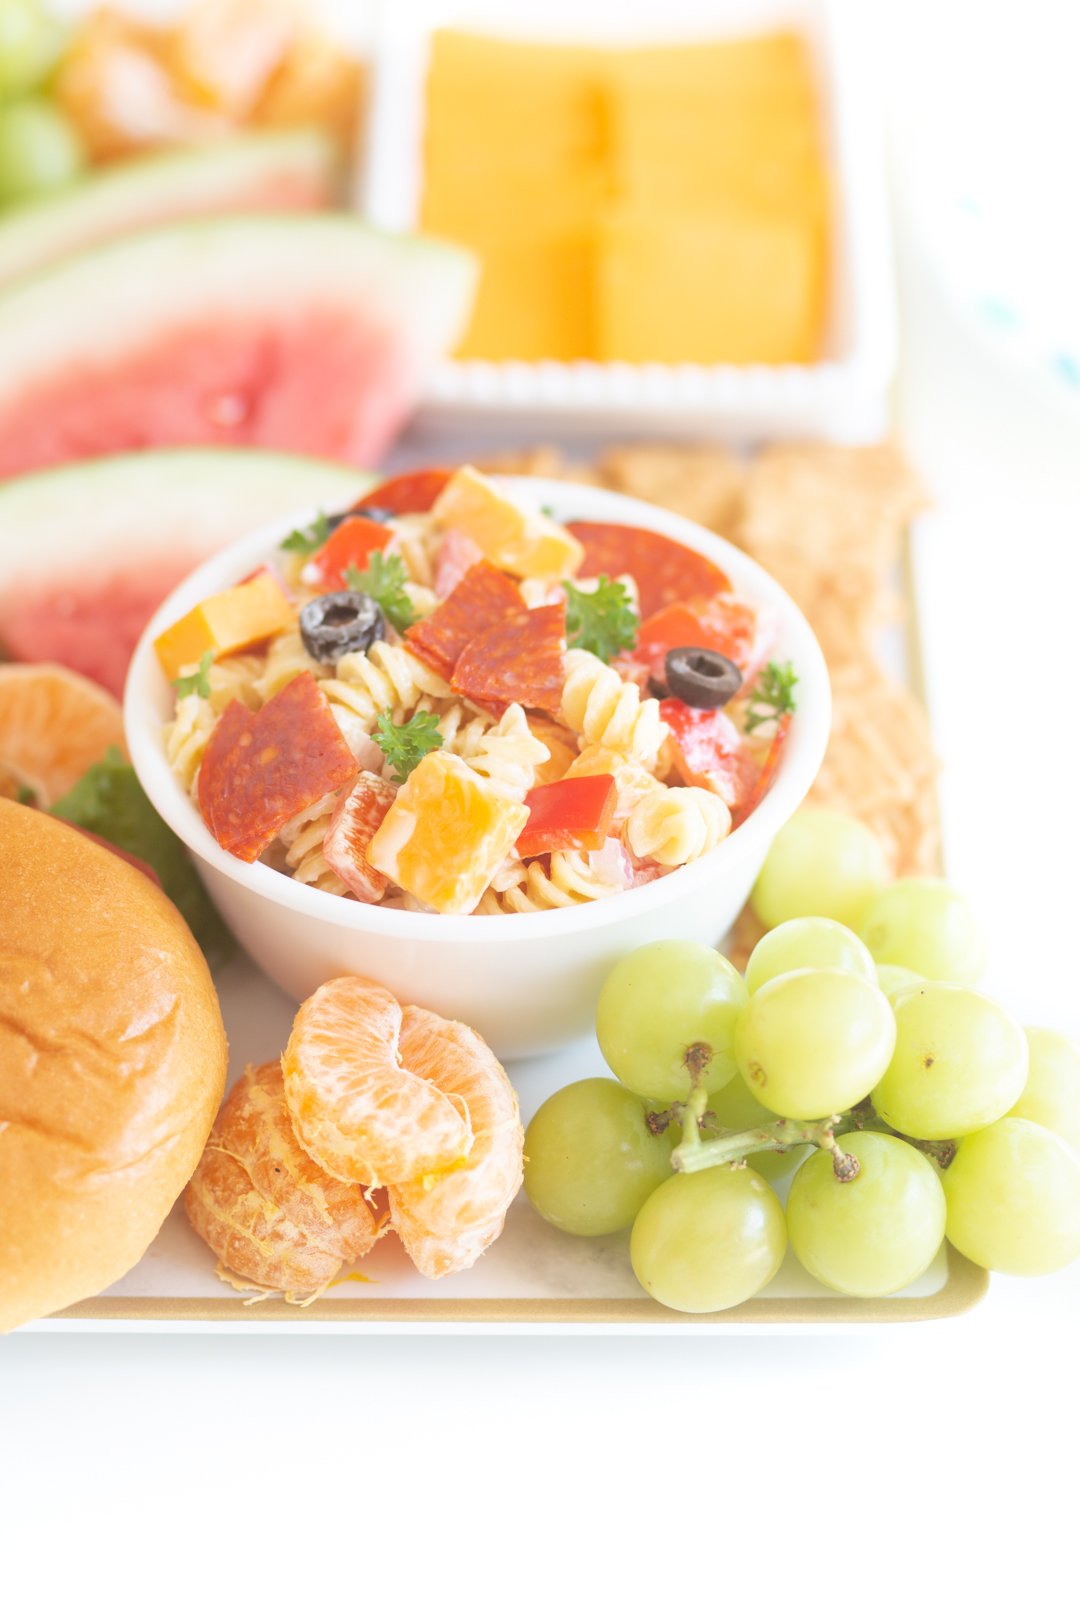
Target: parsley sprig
198, 681
311, 539
773, 695
602, 621
384, 580
406, 745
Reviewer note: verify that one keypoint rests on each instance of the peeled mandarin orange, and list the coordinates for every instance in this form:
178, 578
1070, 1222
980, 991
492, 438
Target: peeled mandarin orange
54, 725
265, 1208
447, 1220
357, 1107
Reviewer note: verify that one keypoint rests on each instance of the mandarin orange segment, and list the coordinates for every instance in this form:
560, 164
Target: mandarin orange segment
54, 725
561, 745
446, 834
447, 1221
356, 1108
261, 1203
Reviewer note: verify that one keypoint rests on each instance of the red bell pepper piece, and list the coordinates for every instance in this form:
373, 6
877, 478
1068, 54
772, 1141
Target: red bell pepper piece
573, 814
350, 546
711, 752
409, 492
768, 770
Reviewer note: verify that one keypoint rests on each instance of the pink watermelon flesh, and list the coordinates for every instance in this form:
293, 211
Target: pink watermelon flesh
88, 551
91, 628
310, 381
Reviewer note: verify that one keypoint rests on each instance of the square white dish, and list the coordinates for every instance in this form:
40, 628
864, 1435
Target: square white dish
844, 396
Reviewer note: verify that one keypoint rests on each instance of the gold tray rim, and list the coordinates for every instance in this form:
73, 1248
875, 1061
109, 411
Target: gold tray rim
966, 1286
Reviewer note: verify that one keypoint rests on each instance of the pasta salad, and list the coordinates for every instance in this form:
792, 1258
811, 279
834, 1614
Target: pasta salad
444, 701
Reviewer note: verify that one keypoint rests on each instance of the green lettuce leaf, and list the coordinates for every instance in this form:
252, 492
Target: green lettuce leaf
109, 801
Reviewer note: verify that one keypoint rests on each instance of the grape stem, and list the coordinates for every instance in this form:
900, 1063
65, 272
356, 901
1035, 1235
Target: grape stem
863, 1118
693, 1154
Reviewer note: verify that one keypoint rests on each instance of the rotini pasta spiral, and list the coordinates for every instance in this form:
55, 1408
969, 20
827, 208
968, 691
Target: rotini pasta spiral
235, 677
416, 543
302, 838
508, 754
574, 878
384, 677
460, 727
675, 825
286, 658
187, 735
601, 708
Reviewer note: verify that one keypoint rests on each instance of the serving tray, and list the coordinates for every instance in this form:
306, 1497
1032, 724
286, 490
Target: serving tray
533, 1274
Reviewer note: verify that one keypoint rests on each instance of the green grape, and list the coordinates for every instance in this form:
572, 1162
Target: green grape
590, 1159
707, 1241
1051, 1096
29, 45
926, 925
821, 864
1013, 1199
808, 942
960, 1063
38, 150
896, 981
814, 1042
736, 1110
662, 1004
872, 1235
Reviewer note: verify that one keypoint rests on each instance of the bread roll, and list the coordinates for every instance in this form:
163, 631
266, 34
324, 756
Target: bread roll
112, 1063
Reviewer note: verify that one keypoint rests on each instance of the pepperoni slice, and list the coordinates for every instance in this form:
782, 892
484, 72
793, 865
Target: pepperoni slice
260, 770
409, 492
517, 661
484, 598
665, 571
350, 546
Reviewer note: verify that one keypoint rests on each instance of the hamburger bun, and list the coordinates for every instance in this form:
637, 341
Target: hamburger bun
112, 1063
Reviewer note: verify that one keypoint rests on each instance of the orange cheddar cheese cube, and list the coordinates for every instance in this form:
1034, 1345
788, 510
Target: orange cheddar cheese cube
225, 623
446, 834
526, 544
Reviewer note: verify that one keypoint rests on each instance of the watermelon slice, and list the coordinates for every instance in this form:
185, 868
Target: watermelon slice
89, 550
294, 169
308, 332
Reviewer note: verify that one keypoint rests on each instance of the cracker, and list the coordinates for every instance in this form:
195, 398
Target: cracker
700, 482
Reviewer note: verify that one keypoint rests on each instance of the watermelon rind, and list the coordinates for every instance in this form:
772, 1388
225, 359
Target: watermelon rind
95, 305
271, 169
61, 522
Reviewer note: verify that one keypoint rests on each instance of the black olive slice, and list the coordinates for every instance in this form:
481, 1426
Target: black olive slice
702, 678
340, 622
374, 514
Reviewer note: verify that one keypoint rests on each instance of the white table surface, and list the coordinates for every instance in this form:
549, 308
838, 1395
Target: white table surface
485, 1476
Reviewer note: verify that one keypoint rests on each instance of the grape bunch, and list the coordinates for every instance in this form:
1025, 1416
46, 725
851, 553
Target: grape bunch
857, 1054
40, 149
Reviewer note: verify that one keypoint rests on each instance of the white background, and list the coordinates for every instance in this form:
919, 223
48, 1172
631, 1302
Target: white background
868, 1473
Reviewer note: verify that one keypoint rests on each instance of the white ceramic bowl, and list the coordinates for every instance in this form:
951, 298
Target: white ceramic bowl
527, 983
